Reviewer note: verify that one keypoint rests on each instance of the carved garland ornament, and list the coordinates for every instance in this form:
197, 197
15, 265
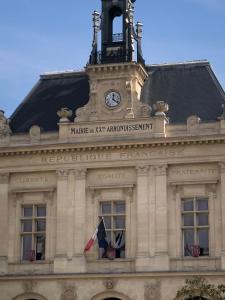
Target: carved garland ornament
69, 293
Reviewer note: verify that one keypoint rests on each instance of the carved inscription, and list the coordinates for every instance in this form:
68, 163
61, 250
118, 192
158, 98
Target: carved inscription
111, 177
111, 129
33, 180
196, 172
116, 155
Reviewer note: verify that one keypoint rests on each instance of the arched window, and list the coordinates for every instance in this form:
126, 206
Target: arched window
117, 24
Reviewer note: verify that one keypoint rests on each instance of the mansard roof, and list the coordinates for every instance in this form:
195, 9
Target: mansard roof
190, 88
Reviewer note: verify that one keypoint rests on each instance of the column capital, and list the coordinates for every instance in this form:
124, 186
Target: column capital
222, 166
62, 174
79, 173
142, 170
161, 170
4, 178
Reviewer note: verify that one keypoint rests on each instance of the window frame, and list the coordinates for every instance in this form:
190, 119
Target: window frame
195, 227
34, 233
112, 215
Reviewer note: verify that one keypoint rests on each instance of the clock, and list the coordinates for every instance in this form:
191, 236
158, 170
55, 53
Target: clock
112, 99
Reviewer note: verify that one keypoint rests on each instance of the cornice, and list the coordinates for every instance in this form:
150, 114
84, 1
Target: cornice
70, 148
133, 275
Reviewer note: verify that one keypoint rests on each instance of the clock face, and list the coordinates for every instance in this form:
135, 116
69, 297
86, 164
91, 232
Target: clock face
112, 99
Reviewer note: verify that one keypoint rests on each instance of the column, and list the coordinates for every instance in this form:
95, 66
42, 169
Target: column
61, 221
162, 260
152, 216
222, 193
142, 256
4, 187
80, 219
70, 215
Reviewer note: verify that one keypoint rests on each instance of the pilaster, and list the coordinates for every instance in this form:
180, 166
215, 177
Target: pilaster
61, 221
79, 219
142, 256
161, 251
222, 193
4, 187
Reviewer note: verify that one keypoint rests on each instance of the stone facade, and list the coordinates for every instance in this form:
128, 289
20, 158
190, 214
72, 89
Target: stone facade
109, 154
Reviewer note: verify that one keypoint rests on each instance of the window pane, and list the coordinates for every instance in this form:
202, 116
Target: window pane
27, 247
41, 211
119, 207
202, 204
27, 211
26, 226
106, 208
40, 225
107, 221
40, 247
188, 220
202, 219
188, 236
188, 205
203, 239
119, 222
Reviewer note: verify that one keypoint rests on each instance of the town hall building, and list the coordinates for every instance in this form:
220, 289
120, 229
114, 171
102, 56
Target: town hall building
139, 146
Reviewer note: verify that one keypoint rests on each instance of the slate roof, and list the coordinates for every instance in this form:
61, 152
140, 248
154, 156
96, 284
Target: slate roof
189, 88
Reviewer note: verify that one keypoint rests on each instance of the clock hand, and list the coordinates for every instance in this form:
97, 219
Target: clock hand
114, 100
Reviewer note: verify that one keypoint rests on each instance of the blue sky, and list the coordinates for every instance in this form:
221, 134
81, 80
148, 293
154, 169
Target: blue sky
51, 35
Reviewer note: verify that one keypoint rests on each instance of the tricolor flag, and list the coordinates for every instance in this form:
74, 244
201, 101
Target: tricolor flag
100, 234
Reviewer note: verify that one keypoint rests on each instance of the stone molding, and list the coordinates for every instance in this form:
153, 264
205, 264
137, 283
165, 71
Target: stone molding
62, 174
79, 174
23, 152
4, 178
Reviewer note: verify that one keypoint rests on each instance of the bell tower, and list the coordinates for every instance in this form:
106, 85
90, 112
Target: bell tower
115, 76
117, 44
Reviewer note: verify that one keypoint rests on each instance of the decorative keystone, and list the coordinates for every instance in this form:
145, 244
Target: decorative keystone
4, 125
64, 114
160, 108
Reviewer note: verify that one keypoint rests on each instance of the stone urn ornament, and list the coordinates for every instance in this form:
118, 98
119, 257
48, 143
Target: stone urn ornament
4, 125
161, 108
64, 114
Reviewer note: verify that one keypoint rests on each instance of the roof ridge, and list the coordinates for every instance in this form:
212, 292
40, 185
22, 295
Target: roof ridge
65, 73
192, 63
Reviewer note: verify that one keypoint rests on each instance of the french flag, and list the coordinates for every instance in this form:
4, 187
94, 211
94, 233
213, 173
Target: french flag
100, 234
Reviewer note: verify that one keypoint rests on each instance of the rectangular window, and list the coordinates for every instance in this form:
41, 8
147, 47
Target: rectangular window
33, 232
195, 226
113, 214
